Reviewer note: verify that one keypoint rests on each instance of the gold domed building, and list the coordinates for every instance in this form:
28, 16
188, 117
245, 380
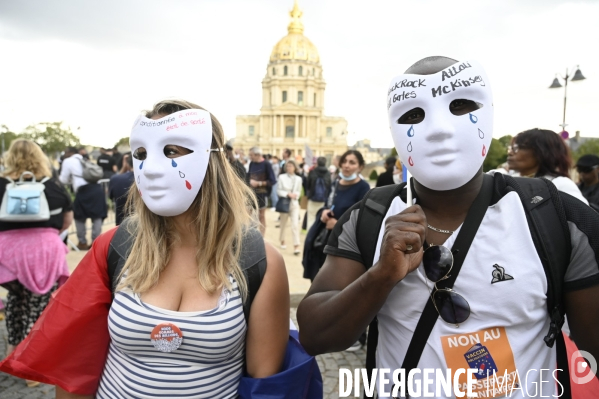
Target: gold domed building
292, 113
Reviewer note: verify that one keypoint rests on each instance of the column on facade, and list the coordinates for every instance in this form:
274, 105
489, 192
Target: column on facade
296, 128
282, 130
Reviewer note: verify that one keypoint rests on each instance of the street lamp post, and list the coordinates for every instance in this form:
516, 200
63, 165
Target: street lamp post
556, 84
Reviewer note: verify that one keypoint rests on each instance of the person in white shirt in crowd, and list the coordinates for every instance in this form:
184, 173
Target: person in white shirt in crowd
543, 153
290, 186
276, 169
89, 203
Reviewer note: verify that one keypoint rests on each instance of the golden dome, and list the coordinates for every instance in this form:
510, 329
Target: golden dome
295, 46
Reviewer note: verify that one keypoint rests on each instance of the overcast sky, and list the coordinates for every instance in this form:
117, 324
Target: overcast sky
97, 64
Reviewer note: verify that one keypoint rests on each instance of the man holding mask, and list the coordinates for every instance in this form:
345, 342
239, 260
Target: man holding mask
441, 117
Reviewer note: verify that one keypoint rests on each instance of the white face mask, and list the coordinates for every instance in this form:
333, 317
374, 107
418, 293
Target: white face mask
168, 186
443, 151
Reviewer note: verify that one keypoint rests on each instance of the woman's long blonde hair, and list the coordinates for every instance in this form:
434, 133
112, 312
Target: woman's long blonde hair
222, 213
26, 156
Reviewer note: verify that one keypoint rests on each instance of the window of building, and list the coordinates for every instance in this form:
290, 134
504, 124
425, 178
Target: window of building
285, 70
300, 97
289, 131
315, 99
251, 130
329, 131
274, 71
300, 71
284, 96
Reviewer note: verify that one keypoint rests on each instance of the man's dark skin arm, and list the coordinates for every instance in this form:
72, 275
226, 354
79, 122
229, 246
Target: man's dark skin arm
582, 309
344, 297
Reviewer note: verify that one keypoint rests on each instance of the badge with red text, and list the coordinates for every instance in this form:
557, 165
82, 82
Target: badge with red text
166, 337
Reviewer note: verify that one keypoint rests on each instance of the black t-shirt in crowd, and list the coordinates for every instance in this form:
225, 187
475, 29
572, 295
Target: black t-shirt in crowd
57, 197
106, 162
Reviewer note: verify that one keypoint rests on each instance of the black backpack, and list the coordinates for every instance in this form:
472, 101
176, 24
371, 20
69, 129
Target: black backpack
320, 190
544, 211
252, 260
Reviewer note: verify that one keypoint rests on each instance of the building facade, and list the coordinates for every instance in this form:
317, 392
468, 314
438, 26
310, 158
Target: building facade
292, 112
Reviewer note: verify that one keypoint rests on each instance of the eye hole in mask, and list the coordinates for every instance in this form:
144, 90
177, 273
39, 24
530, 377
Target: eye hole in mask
175, 151
412, 117
140, 153
463, 107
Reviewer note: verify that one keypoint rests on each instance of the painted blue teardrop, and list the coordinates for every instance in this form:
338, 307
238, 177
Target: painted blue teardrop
411, 131
141, 165
473, 118
173, 163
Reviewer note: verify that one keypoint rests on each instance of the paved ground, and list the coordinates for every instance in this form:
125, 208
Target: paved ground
11, 387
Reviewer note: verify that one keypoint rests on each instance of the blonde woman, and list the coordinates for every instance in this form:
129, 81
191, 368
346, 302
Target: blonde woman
176, 325
32, 255
289, 186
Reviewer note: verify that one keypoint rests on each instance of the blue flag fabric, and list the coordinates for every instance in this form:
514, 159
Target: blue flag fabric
299, 377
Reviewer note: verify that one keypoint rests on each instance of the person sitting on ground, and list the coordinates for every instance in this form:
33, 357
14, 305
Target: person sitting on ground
588, 171
176, 312
443, 133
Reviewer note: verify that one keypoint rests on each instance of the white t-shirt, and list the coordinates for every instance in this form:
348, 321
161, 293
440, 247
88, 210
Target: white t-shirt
509, 317
72, 171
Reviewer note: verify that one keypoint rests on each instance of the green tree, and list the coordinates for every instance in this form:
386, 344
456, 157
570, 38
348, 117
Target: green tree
506, 140
590, 146
393, 152
6, 137
374, 175
51, 136
122, 141
496, 155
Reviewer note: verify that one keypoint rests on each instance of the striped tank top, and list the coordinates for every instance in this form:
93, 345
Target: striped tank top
207, 364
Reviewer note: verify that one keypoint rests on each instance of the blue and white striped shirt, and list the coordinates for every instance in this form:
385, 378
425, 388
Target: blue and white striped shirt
208, 364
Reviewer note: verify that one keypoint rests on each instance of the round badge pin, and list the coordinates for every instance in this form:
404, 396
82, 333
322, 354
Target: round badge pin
166, 337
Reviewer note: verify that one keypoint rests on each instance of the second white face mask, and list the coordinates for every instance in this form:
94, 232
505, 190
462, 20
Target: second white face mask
443, 151
167, 184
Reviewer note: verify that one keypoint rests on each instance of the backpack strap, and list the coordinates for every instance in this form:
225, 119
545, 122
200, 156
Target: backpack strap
118, 252
252, 260
544, 211
372, 212
373, 209
253, 263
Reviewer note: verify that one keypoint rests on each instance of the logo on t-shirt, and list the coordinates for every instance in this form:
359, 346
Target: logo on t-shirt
478, 357
499, 274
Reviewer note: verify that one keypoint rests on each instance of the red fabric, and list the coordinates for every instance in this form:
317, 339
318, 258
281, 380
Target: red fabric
68, 344
579, 391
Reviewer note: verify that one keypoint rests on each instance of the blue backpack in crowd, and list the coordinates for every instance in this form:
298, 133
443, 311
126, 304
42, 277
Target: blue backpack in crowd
320, 190
25, 201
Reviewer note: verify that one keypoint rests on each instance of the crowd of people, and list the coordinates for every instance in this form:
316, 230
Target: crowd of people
185, 290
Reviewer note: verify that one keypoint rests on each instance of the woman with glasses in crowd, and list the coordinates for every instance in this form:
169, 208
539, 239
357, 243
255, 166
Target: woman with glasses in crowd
175, 324
543, 153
